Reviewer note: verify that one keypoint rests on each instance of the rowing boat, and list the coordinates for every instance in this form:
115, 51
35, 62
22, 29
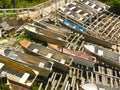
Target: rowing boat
104, 54
45, 35
40, 65
89, 35
52, 27
78, 57
60, 60
17, 73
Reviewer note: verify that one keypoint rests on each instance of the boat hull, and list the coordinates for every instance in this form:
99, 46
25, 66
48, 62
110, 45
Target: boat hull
56, 64
45, 38
83, 61
78, 57
101, 58
90, 38
52, 27
18, 67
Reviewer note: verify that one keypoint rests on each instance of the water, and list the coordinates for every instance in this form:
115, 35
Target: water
72, 25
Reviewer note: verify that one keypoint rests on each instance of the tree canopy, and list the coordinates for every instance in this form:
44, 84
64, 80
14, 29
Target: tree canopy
115, 5
19, 3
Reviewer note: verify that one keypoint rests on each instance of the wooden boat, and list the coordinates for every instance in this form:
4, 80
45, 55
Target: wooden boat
45, 35
89, 35
52, 27
40, 65
17, 73
96, 5
76, 11
60, 60
104, 54
78, 57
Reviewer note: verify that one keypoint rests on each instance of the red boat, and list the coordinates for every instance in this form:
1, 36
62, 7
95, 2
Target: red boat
78, 57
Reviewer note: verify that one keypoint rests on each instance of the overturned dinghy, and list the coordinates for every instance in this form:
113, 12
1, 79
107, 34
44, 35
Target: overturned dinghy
45, 35
78, 57
104, 54
17, 73
40, 65
60, 60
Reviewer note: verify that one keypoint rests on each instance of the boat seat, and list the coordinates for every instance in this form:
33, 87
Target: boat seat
67, 4
99, 9
87, 2
81, 19
93, 5
1, 65
74, 3
59, 38
41, 65
85, 14
35, 50
68, 12
100, 52
49, 55
62, 9
72, 8
101, 88
62, 61
24, 78
71, 16
78, 11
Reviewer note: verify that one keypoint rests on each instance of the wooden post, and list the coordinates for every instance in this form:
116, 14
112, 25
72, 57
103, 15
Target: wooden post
17, 11
28, 12
4, 12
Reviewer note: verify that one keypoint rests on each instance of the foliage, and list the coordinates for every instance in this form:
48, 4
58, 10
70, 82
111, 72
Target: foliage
28, 3
19, 3
115, 5
5, 3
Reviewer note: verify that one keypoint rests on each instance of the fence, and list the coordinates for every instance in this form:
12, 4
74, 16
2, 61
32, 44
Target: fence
27, 11
38, 8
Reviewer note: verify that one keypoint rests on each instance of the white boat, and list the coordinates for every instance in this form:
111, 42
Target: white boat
104, 54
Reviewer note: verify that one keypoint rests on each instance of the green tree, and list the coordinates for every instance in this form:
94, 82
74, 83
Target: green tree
14, 3
5, 4
115, 5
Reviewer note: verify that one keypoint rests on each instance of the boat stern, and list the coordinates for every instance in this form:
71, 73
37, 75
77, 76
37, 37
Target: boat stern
25, 43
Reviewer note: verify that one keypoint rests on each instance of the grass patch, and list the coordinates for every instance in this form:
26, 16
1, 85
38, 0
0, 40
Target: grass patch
25, 3
21, 38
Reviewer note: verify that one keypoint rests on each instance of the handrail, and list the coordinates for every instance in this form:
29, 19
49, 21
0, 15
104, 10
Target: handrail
17, 11
27, 11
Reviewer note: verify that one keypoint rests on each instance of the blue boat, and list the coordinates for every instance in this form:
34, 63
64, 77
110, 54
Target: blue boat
72, 25
87, 34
